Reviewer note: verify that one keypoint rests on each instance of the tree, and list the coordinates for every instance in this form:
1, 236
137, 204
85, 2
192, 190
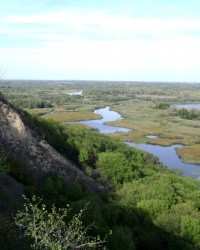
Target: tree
4, 165
49, 230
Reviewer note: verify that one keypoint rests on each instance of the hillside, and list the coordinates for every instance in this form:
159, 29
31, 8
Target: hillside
146, 205
22, 143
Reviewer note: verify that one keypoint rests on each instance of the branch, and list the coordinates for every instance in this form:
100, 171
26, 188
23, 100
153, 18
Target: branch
2, 72
87, 244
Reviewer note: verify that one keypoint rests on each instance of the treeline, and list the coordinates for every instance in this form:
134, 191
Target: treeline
31, 103
29, 97
22, 101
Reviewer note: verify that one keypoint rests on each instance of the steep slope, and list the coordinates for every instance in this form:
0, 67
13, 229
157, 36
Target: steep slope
18, 140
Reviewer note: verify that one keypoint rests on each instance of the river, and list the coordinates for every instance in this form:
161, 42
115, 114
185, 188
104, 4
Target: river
169, 157
166, 155
107, 116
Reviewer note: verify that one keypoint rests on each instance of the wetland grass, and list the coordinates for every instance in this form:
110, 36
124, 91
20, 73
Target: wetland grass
72, 116
135, 102
190, 154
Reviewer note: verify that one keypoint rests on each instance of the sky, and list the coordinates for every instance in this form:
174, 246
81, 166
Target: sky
126, 40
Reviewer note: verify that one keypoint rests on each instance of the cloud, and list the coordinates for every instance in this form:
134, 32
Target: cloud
99, 42
97, 24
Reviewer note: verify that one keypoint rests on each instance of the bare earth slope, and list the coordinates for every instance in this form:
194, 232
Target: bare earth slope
23, 143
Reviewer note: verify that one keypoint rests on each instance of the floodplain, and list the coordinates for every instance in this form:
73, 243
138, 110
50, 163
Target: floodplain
147, 108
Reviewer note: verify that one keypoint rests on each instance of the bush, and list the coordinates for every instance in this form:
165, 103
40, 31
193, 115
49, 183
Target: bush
49, 230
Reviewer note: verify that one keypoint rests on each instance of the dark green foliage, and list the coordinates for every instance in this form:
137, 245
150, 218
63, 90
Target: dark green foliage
1, 96
17, 169
51, 229
53, 132
52, 189
84, 147
9, 235
30, 103
162, 105
189, 114
4, 165
121, 238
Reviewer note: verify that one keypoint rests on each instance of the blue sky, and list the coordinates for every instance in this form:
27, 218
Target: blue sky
143, 40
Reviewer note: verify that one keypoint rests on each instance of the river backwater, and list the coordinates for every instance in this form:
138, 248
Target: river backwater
187, 106
166, 155
169, 157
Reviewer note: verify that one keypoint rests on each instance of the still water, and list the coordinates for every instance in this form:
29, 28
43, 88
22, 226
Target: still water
76, 93
166, 155
188, 106
107, 116
169, 157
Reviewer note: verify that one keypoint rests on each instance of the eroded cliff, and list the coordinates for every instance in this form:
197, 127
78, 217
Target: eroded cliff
18, 140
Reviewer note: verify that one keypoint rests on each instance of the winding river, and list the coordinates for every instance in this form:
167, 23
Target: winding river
166, 155
107, 116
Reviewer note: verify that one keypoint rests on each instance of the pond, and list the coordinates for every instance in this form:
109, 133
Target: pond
152, 136
75, 93
188, 106
107, 116
169, 157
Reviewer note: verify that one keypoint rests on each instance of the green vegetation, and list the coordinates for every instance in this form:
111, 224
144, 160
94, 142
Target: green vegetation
189, 114
72, 116
162, 105
1, 96
145, 205
49, 230
147, 108
4, 166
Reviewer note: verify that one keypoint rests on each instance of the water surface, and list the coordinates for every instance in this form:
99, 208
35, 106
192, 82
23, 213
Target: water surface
152, 136
107, 116
75, 93
166, 155
188, 106
169, 157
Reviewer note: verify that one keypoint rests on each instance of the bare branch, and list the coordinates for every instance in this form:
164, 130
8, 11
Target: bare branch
2, 72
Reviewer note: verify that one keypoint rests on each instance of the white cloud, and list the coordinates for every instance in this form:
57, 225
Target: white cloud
103, 44
78, 21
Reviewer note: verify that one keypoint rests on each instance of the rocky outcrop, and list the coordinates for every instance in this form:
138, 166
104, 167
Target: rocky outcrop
23, 143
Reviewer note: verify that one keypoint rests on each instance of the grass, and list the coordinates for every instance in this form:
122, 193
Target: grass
190, 154
145, 120
72, 116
